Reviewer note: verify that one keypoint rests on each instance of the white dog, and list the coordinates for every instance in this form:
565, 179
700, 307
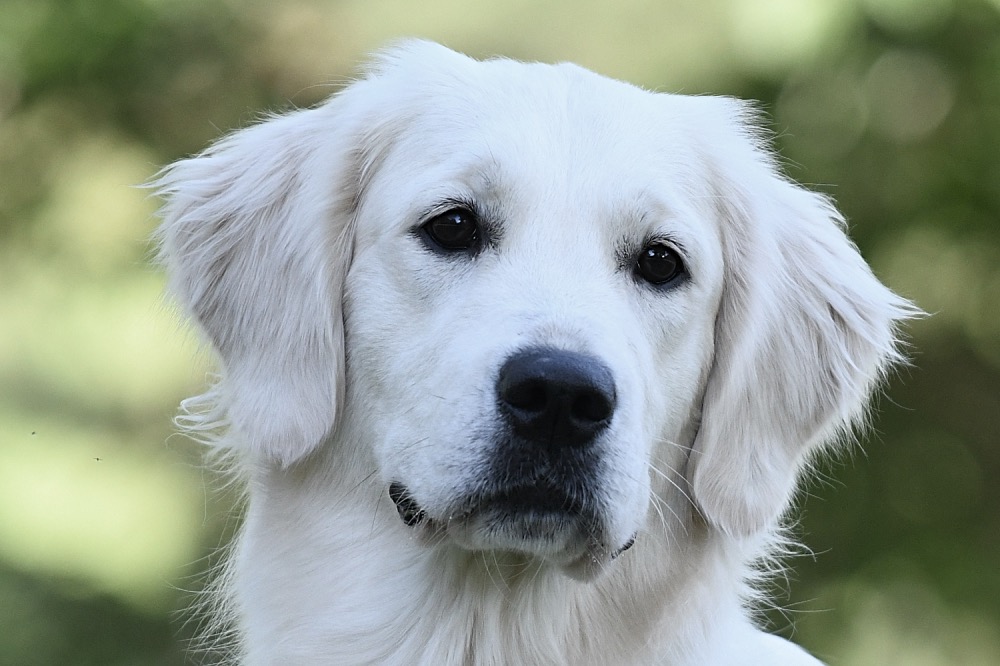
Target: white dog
521, 365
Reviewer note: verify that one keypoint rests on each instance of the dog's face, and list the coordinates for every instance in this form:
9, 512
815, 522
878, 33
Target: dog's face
544, 303
530, 314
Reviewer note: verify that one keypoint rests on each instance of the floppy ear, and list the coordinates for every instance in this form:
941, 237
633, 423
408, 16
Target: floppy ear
803, 335
256, 239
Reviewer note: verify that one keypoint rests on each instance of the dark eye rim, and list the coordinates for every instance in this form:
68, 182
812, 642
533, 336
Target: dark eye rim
675, 278
471, 245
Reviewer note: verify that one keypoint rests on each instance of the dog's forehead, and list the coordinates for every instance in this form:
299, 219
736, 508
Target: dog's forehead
534, 134
537, 113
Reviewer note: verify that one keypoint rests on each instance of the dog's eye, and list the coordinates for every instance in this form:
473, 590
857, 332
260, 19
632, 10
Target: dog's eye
454, 230
659, 264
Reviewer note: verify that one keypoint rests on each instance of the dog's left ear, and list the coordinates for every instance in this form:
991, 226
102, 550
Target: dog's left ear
803, 334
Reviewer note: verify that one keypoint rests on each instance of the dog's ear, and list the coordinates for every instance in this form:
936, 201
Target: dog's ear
256, 239
803, 334
257, 236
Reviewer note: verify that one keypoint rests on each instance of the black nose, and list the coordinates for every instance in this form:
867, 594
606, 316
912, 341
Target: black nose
556, 398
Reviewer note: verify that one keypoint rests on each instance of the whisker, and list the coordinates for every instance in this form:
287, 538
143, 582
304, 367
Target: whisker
657, 502
364, 480
683, 491
496, 565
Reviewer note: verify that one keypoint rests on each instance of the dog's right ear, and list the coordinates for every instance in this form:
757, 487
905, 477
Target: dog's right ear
256, 238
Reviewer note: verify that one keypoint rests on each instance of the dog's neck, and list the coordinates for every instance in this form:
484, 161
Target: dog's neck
355, 586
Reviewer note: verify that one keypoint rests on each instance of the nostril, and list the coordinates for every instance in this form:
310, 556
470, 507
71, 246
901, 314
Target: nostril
530, 395
592, 407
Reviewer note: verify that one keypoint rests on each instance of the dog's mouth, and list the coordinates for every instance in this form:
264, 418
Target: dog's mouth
529, 502
537, 520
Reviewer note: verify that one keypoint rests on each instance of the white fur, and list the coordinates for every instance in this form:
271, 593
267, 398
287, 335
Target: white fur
352, 356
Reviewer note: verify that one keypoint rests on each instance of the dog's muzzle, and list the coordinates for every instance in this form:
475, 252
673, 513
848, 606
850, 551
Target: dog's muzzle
541, 492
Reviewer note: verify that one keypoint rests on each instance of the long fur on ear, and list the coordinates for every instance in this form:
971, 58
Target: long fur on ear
804, 333
256, 238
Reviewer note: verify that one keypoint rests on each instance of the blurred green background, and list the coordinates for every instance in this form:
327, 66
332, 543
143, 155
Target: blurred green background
106, 520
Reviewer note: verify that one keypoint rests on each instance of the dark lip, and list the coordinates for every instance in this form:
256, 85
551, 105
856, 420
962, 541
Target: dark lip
526, 500
409, 511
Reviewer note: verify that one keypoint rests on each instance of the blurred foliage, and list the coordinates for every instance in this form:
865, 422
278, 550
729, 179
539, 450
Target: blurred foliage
891, 106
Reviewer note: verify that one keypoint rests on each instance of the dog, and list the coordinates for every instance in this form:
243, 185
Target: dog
519, 364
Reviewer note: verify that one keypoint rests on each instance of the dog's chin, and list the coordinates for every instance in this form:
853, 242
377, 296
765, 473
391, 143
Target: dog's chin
566, 539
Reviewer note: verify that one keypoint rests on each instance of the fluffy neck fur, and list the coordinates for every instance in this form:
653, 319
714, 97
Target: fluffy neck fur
325, 572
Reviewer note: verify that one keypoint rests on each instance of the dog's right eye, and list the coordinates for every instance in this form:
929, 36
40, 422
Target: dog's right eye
455, 230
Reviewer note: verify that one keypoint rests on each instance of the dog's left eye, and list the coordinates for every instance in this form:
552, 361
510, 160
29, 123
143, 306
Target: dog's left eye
454, 230
659, 264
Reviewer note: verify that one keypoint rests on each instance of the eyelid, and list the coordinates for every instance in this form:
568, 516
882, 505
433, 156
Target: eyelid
629, 250
443, 206
669, 241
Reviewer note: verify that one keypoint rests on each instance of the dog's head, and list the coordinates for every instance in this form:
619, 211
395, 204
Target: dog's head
547, 303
